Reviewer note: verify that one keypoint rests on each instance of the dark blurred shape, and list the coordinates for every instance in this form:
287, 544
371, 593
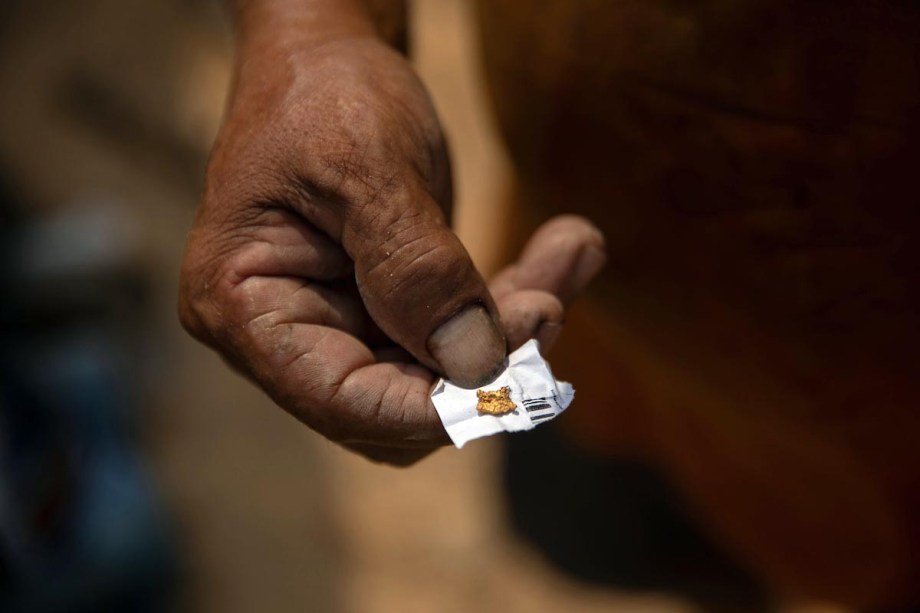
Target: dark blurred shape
756, 335
617, 523
81, 528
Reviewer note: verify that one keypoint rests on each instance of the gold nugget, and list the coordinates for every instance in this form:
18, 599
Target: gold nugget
497, 402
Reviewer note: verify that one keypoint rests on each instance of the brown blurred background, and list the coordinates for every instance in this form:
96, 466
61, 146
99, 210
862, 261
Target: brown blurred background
107, 111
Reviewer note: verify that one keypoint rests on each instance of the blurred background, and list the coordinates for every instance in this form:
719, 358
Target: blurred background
139, 473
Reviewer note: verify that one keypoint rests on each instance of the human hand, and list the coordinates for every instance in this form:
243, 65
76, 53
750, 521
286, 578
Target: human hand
320, 263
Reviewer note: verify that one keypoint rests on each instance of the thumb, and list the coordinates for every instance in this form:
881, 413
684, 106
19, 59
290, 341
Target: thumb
419, 285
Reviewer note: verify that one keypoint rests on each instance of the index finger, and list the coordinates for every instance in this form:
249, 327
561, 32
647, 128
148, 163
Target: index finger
330, 380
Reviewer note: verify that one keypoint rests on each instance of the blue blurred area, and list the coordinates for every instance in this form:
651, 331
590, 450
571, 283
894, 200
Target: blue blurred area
81, 527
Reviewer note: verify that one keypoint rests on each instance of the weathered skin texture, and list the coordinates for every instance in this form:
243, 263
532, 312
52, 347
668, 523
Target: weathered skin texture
321, 264
754, 167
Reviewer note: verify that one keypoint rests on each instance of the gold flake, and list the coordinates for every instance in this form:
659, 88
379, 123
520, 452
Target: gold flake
497, 402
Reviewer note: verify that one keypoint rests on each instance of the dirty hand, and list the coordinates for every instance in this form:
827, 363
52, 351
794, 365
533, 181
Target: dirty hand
321, 264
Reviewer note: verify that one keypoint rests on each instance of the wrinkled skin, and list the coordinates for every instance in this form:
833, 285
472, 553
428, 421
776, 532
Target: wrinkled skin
321, 261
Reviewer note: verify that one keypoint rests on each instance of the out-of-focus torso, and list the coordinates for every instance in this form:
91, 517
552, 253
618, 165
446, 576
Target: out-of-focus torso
754, 166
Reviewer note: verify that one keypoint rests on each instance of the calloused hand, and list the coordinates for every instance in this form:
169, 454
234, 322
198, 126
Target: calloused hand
321, 264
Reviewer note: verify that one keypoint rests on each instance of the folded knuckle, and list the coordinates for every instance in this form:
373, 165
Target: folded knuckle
193, 298
209, 308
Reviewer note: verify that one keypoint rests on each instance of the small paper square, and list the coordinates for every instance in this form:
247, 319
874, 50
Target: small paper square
536, 394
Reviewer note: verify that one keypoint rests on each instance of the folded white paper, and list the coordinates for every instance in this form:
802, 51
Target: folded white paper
538, 397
